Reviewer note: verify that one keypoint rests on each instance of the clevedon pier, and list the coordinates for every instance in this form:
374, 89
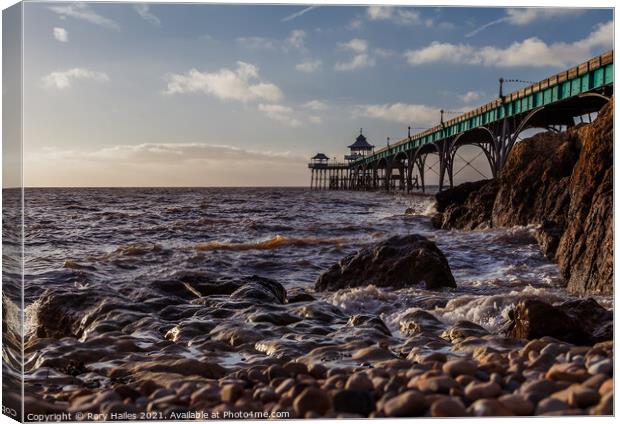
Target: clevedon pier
555, 103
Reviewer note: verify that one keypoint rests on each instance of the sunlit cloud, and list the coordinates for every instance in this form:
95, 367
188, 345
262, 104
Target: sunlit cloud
529, 52
398, 15
309, 66
420, 115
316, 105
359, 61
280, 113
296, 39
63, 79
61, 34
241, 84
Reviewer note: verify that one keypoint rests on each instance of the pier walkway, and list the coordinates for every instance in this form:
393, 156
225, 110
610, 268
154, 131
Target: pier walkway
554, 103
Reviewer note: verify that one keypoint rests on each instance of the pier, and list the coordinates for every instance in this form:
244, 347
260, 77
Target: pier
556, 103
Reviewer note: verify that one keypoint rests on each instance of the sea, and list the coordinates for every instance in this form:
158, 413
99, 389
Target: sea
119, 244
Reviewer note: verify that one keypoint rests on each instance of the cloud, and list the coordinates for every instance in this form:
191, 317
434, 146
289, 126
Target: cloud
242, 84
166, 164
355, 24
178, 152
296, 39
298, 14
309, 66
358, 62
470, 96
400, 16
528, 15
280, 113
144, 11
83, 12
315, 105
63, 79
529, 52
256, 42
61, 34
357, 45
420, 115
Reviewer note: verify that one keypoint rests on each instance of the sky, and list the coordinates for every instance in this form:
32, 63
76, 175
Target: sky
122, 94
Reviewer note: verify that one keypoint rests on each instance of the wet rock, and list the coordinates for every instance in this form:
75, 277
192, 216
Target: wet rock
311, 399
448, 407
61, 311
353, 401
260, 289
369, 321
489, 408
463, 330
576, 322
420, 321
298, 294
466, 206
400, 261
407, 404
183, 366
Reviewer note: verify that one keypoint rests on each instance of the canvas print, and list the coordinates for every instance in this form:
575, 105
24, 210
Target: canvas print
232, 211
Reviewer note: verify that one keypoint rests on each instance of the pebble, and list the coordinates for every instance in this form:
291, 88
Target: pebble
517, 404
407, 404
475, 390
440, 384
230, 393
605, 406
606, 387
488, 408
448, 407
601, 367
318, 371
577, 396
359, 381
460, 367
567, 372
353, 401
311, 399
295, 368
551, 405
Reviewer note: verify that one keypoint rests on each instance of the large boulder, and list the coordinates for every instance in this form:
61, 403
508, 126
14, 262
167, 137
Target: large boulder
581, 322
400, 261
585, 251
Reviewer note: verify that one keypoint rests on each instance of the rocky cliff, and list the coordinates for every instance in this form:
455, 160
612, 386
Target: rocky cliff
564, 183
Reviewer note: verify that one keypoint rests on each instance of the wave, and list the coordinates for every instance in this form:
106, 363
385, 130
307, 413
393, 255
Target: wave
272, 243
